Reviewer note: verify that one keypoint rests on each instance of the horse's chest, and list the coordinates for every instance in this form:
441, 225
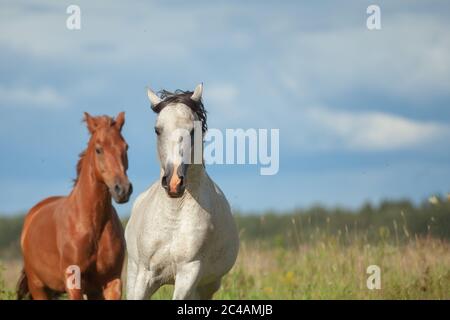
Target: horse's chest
179, 241
100, 254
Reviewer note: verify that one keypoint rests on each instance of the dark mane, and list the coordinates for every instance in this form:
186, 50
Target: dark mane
79, 166
184, 97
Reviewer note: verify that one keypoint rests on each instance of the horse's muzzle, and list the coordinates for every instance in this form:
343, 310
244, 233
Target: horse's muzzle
121, 192
174, 181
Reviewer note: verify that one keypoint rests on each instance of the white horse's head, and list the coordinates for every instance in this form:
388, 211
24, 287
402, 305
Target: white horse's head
177, 124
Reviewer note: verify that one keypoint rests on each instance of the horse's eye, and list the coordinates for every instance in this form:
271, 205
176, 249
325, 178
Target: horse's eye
98, 150
157, 131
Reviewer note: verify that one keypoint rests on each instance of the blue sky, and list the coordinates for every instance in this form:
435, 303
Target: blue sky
363, 115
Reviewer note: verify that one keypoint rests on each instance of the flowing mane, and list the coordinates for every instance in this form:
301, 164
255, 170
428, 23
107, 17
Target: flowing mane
184, 97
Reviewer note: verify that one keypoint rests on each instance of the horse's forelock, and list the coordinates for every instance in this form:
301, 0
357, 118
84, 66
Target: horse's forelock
184, 97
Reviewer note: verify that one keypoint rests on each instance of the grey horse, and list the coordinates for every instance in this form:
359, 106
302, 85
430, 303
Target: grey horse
181, 230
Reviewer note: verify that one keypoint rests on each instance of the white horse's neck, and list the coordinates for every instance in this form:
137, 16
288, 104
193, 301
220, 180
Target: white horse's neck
196, 174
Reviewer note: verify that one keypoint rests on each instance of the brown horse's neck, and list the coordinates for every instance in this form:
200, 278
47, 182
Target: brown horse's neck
91, 194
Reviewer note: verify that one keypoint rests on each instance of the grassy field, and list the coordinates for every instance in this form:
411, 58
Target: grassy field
325, 269
318, 253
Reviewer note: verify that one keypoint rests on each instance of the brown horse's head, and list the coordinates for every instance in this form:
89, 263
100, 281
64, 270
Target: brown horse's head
110, 154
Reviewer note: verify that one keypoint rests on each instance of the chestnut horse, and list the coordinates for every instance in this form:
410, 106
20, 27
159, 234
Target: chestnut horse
80, 235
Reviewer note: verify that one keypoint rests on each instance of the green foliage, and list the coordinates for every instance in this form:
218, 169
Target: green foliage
10, 229
395, 221
390, 221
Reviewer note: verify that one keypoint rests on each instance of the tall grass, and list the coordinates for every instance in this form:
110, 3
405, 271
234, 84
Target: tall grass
328, 269
321, 255
5, 292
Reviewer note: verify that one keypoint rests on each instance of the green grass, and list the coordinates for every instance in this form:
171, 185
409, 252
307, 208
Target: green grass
326, 268
419, 269
318, 253
5, 293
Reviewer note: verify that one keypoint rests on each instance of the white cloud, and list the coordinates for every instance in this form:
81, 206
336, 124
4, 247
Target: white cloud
113, 33
150, 31
372, 131
311, 54
221, 100
407, 58
222, 92
42, 97
301, 53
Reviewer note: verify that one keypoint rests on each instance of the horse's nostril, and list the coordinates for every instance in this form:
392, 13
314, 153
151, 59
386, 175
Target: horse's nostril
164, 182
181, 181
117, 189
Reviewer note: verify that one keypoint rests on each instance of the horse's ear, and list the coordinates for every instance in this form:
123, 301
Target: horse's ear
197, 95
120, 120
90, 122
153, 97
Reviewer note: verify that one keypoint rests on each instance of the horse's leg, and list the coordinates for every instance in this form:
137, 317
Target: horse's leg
113, 290
138, 290
207, 291
74, 293
186, 280
132, 270
37, 288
